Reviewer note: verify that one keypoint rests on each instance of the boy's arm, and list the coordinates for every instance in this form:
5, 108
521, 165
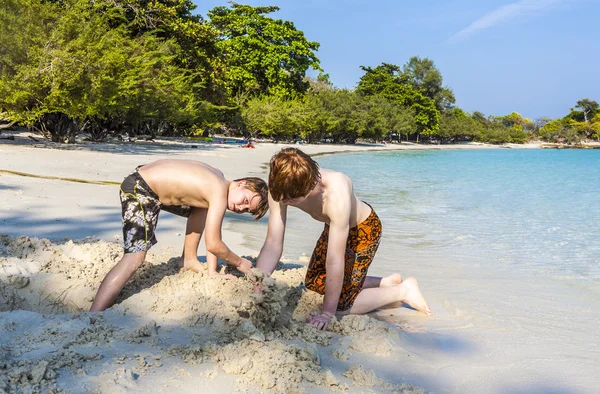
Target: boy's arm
271, 251
337, 208
214, 242
212, 262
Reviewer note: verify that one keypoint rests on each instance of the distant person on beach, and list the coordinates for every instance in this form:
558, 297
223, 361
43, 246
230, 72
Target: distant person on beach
186, 188
338, 266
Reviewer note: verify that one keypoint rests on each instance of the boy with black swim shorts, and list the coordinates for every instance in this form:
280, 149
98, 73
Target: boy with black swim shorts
186, 188
339, 264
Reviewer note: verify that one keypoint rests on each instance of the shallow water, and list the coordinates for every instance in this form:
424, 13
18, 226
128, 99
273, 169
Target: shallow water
505, 244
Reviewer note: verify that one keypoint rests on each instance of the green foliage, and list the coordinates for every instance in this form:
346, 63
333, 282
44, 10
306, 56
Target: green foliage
152, 66
456, 125
262, 55
559, 130
575, 115
386, 81
480, 118
495, 133
518, 135
589, 108
88, 71
341, 116
588, 130
322, 83
423, 76
196, 40
268, 115
515, 120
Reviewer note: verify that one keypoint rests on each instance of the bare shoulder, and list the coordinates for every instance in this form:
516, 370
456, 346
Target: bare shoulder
335, 181
213, 177
208, 179
209, 170
218, 173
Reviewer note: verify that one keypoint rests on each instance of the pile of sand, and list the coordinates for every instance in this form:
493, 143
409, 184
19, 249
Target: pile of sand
165, 323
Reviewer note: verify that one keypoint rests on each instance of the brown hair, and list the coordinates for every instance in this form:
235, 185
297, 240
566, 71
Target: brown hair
257, 185
293, 174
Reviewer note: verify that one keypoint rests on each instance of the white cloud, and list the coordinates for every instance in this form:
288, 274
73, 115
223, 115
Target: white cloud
503, 14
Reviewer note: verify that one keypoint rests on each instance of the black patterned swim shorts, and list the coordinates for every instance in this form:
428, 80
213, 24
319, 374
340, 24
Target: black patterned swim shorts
140, 208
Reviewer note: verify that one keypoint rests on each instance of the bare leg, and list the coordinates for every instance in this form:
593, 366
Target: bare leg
376, 281
407, 292
116, 278
193, 233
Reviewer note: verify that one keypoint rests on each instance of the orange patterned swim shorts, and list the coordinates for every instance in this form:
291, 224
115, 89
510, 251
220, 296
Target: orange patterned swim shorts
362, 244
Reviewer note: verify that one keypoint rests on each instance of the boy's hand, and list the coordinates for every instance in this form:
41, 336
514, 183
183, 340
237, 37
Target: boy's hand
245, 266
321, 321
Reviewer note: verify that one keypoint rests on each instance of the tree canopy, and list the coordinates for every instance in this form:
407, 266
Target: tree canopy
108, 67
423, 76
262, 55
387, 81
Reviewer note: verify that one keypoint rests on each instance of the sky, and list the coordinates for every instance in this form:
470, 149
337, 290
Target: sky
534, 57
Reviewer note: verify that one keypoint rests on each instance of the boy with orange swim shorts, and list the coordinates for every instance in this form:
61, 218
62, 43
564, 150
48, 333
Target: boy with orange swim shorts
351, 235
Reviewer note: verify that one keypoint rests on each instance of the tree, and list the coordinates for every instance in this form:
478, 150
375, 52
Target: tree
495, 133
319, 84
520, 127
588, 107
174, 20
456, 125
262, 55
269, 116
427, 79
480, 117
559, 130
387, 81
343, 114
539, 123
83, 71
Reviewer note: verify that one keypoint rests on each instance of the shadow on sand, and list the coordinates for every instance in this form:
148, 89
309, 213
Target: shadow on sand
104, 219
155, 147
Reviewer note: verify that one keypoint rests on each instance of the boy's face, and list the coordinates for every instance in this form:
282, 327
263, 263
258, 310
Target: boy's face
240, 199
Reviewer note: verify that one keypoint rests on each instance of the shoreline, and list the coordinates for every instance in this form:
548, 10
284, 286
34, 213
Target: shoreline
23, 140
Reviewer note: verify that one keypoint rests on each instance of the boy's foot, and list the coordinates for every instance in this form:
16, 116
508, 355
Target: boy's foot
414, 298
191, 265
391, 280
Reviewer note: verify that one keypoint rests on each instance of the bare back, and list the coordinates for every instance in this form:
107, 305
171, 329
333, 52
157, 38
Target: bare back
185, 182
333, 188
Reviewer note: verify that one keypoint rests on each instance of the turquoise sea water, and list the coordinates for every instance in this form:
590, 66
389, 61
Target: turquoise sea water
505, 244
535, 211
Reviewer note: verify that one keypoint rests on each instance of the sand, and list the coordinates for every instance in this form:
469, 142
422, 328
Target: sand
170, 329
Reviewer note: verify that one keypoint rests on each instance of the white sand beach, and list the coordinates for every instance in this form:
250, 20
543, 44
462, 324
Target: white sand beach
170, 331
